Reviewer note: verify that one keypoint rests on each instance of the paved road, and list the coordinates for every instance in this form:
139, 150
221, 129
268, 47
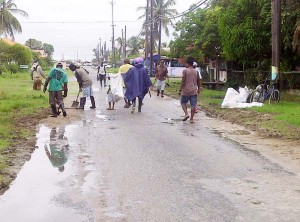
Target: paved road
148, 166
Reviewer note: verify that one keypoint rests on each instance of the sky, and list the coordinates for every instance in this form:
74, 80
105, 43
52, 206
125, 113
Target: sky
75, 28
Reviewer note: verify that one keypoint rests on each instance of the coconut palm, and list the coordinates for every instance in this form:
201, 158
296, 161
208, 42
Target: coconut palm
162, 16
8, 22
119, 47
134, 43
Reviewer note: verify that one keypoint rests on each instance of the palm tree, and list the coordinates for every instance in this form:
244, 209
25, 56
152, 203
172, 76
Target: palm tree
8, 22
134, 43
119, 47
162, 16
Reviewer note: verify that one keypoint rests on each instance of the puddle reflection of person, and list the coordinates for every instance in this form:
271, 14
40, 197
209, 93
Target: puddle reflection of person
59, 147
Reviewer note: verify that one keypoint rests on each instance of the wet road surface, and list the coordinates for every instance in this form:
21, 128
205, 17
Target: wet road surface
149, 166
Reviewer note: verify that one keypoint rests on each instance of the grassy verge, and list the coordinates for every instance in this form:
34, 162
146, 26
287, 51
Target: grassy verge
19, 104
277, 120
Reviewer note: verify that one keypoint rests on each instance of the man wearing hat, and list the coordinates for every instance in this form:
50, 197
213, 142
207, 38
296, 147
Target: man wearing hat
57, 80
85, 84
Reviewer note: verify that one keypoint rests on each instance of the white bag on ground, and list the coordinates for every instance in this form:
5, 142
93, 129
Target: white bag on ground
233, 99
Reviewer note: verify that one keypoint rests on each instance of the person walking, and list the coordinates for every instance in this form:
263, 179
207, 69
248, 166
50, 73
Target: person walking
124, 69
195, 65
189, 88
137, 83
161, 74
102, 75
58, 82
37, 75
85, 84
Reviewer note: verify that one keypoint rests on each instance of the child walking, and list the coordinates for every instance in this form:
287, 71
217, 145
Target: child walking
110, 96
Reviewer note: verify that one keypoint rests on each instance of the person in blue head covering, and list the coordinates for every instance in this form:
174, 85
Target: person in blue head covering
137, 83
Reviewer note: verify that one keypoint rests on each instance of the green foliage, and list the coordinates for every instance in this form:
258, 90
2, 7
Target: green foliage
9, 24
239, 31
17, 99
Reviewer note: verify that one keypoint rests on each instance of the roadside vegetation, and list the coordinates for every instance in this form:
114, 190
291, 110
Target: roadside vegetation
20, 107
277, 120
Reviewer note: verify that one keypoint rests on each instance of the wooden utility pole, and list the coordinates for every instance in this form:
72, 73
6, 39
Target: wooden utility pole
147, 35
125, 40
122, 45
113, 35
159, 40
276, 27
151, 38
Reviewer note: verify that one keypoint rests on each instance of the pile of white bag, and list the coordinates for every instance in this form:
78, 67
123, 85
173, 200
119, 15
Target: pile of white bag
234, 99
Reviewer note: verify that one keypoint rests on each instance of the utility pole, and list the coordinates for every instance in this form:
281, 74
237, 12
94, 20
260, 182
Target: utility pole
125, 44
100, 53
113, 35
151, 38
276, 27
159, 40
147, 35
122, 45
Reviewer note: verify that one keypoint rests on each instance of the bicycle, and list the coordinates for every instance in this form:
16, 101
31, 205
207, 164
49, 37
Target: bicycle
265, 92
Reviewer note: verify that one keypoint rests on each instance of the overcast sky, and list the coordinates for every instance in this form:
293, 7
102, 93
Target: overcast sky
85, 22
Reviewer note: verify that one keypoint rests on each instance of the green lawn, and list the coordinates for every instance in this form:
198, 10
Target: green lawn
17, 102
287, 111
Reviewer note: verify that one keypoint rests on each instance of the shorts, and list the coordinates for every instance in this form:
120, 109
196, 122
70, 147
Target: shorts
160, 85
111, 97
87, 91
102, 77
55, 97
192, 99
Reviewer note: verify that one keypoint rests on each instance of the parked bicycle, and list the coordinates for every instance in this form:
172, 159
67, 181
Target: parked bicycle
264, 92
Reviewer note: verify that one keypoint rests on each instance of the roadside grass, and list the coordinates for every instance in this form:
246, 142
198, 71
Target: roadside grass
17, 103
112, 70
281, 118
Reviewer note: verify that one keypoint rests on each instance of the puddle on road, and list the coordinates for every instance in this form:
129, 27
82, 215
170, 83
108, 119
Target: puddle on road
171, 120
31, 196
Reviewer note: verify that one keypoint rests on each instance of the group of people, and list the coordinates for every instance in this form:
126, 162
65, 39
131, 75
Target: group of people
136, 84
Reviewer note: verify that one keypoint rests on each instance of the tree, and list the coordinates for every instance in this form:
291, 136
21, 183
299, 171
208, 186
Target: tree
8, 22
20, 54
49, 49
134, 43
34, 44
162, 17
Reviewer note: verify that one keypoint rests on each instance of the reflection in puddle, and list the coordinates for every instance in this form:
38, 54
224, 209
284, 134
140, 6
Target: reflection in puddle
102, 117
171, 121
30, 197
57, 150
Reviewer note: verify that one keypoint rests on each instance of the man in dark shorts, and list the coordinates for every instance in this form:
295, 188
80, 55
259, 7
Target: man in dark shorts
57, 80
190, 87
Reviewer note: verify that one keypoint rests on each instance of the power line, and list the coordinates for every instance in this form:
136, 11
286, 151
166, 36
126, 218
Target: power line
77, 22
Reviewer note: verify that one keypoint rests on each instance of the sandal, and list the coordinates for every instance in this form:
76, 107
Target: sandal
185, 118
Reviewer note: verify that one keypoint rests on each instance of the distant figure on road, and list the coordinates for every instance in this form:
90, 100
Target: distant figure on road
85, 84
37, 75
161, 74
137, 83
124, 69
58, 81
190, 87
102, 75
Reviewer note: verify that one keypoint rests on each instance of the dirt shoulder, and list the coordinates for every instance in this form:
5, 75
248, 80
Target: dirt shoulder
17, 155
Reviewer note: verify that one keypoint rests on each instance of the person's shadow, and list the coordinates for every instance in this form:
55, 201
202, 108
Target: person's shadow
57, 151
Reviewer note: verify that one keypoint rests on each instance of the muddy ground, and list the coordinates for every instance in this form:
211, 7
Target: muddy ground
17, 155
